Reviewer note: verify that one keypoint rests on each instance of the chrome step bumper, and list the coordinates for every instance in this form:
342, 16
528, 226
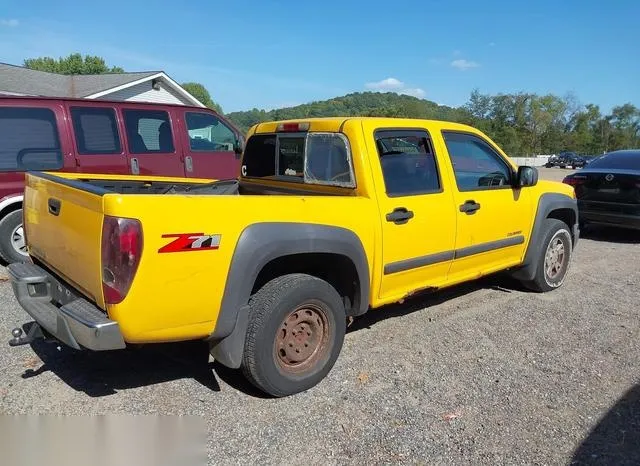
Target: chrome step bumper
61, 312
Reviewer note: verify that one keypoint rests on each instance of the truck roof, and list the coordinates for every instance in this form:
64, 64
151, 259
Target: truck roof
334, 124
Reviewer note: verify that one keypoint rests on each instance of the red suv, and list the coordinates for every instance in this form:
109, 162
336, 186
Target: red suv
97, 136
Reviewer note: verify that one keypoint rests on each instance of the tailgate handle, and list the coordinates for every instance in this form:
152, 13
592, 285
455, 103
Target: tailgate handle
54, 206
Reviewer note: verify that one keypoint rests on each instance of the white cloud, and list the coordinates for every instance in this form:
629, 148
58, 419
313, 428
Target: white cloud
11, 23
464, 65
389, 84
415, 92
397, 86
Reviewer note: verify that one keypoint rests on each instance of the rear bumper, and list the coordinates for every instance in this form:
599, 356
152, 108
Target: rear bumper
606, 218
57, 309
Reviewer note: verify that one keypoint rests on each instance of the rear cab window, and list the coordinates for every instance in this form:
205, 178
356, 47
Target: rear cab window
29, 137
311, 158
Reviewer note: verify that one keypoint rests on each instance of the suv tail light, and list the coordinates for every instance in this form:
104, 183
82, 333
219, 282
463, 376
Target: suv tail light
121, 250
574, 180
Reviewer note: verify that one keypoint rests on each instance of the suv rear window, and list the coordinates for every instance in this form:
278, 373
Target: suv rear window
313, 158
29, 139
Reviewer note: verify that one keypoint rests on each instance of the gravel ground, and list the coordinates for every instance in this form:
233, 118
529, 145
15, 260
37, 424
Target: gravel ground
484, 373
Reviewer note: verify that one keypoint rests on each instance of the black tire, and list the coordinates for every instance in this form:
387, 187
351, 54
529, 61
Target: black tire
8, 225
315, 311
543, 281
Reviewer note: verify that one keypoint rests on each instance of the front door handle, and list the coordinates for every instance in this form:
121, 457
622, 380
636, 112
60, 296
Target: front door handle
135, 167
188, 163
399, 216
469, 207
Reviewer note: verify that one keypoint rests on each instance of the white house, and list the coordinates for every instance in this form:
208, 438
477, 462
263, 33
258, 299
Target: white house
146, 86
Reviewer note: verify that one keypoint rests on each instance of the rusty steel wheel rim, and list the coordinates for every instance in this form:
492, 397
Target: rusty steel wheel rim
302, 338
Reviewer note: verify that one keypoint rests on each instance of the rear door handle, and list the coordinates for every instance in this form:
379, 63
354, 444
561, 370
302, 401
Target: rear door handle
188, 163
399, 216
54, 206
469, 207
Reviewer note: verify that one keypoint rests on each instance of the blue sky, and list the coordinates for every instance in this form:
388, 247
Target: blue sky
268, 54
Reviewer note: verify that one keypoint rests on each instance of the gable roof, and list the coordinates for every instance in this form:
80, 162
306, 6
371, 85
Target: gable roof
17, 80
84, 85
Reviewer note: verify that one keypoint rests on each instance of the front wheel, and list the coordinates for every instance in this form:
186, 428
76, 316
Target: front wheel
13, 246
554, 258
295, 333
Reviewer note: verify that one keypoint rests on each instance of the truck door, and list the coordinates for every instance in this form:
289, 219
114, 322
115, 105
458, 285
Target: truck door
151, 142
494, 218
208, 146
416, 205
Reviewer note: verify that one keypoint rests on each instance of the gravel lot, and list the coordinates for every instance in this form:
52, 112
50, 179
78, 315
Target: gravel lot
485, 373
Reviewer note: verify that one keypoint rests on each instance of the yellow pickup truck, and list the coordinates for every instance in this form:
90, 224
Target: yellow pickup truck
329, 219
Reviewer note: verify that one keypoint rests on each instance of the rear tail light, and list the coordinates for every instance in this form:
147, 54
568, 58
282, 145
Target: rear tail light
574, 180
121, 251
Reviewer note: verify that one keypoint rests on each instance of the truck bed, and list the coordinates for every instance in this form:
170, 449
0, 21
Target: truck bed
219, 187
161, 187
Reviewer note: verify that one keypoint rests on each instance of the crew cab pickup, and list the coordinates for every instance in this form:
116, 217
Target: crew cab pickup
329, 219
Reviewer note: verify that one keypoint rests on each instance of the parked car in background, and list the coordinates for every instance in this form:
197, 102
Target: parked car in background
566, 159
608, 190
327, 220
96, 136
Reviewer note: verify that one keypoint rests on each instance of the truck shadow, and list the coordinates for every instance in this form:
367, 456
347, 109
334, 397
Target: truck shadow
616, 438
425, 300
99, 374
608, 234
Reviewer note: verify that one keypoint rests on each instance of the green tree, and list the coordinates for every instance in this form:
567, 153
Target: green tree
521, 123
72, 64
625, 120
202, 94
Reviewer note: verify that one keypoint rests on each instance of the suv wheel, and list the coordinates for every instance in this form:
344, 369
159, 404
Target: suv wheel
13, 247
554, 258
295, 333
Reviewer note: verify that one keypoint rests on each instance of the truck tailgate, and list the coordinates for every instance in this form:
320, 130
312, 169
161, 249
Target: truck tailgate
63, 226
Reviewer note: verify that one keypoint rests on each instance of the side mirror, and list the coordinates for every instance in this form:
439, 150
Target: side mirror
238, 146
527, 176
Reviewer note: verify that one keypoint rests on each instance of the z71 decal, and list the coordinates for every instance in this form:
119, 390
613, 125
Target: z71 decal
191, 242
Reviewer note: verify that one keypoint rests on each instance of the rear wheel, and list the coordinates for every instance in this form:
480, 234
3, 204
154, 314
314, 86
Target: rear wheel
554, 258
295, 334
13, 247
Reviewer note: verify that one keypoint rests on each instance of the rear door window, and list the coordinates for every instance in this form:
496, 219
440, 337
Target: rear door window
96, 130
149, 131
408, 162
312, 158
29, 139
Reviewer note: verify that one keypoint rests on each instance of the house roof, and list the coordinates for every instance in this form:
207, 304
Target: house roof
20, 80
